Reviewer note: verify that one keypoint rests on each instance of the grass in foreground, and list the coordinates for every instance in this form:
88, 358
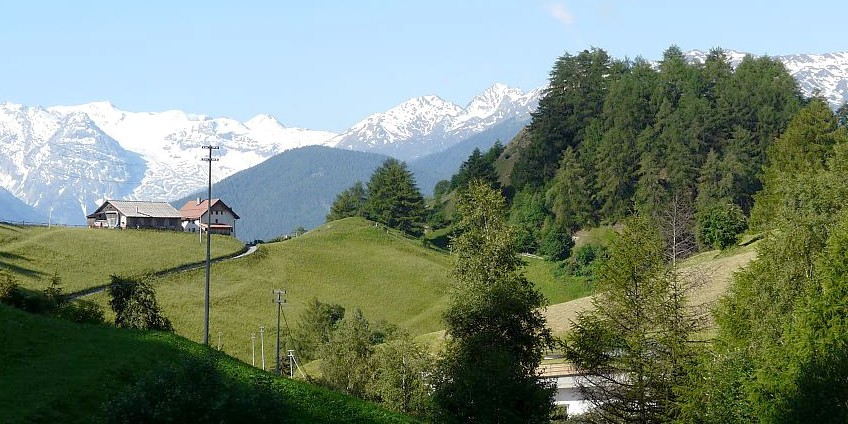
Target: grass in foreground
56, 371
85, 258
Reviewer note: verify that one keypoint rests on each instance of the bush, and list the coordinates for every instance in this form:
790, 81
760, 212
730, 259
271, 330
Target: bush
195, 391
584, 262
82, 311
556, 244
720, 225
135, 306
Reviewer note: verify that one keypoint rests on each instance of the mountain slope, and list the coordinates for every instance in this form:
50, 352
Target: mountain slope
68, 159
427, 125
290, 190
13, 209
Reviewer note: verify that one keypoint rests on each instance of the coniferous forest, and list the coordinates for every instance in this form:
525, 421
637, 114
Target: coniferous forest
679, 157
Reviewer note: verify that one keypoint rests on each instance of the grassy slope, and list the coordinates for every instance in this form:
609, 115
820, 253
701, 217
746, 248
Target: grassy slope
350, 262
56, 371
86, 258
714, 268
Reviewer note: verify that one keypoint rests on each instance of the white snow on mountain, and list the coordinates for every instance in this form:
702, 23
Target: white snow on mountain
429, 124
64, 160
817, 74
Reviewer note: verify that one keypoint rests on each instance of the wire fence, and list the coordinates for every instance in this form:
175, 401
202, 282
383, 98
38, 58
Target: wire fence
38, 224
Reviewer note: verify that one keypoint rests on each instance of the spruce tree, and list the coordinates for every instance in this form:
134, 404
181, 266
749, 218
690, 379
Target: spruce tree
350, 202
394, 199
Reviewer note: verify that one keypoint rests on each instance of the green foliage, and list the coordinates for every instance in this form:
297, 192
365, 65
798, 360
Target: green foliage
135, 306
720, 225
633, 348
779, 354
803, 149
528, 215
477, 167
556, 243
394, 200
578, 85
315, 326
195, 391
399, 383
345, 358
615, 137
350, 202
586, 260
442, 188
569, 198
496, 333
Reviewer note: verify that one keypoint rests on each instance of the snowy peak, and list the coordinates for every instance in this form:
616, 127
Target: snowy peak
429, 124
825, 74
822, 74
63, 160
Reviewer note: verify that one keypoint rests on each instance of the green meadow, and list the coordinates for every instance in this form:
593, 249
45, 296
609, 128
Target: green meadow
351, 262
85, 258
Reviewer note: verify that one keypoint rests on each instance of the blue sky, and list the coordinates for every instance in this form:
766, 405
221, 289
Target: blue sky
328, 64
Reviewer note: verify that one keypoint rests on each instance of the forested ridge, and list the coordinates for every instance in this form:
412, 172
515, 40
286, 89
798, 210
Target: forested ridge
615, 137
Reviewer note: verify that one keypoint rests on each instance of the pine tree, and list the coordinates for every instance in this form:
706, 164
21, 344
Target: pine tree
633, 348
496, 333
350, 202
569, 198
394, 199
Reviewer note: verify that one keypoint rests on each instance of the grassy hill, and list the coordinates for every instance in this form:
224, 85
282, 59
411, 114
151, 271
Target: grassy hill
85, 258
57, 371
351, 262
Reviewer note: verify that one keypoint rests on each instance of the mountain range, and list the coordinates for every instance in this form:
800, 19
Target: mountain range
64, 160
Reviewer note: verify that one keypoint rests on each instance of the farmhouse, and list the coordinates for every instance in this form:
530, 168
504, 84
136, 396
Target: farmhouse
135, 214
193, 216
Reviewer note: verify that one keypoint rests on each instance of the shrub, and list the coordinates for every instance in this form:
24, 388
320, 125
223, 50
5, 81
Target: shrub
195, 391
556, 244
135, 306
82, 311
720, 225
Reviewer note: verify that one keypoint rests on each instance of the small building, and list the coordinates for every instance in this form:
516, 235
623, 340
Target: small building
566, 379
194, 219
135, 214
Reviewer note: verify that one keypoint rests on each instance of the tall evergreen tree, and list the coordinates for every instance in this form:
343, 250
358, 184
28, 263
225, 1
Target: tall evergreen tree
476, 167
569, 198
394, 199
350, 202
576, 93
634, 347
496, 333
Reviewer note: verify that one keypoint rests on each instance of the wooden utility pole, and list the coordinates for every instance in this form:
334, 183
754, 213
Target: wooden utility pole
279, 301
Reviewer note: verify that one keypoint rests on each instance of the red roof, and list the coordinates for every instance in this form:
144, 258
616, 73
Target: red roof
194, 210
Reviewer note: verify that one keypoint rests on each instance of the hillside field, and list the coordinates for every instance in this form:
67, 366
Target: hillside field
351, 262
85, 258
54, 371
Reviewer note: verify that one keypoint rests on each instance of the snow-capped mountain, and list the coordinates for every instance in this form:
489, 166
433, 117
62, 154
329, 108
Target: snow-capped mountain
823, 74
429, 124
64, 160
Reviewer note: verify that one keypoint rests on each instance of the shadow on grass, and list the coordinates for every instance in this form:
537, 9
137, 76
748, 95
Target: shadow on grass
5, 257
83, 370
